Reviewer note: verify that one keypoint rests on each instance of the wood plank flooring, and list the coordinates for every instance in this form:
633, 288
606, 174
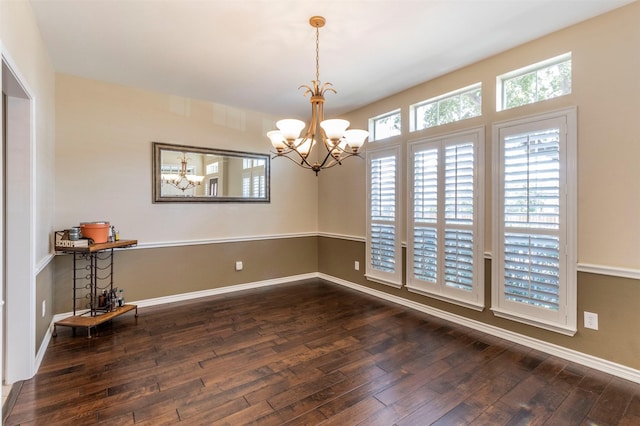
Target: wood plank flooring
308, 353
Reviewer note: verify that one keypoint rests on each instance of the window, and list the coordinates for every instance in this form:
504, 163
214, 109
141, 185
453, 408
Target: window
534, 267
383, 216
453, 106
445, 247
538, 82
384, 126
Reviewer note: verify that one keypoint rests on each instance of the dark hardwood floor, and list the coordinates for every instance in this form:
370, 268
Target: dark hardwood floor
308, 353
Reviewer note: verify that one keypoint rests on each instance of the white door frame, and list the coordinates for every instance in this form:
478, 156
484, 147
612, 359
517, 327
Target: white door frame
17, 213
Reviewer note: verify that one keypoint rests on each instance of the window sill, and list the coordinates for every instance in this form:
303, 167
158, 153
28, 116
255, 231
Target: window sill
383, 281
535, 322
464, 303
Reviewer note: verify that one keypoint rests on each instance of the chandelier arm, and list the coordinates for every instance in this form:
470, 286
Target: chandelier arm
309, 90
286, 154
339, 160
301, 160
343, 156
303, 163
331, 164
329, 156
326, 87
286, 151
327, 146
282, 153
181, 188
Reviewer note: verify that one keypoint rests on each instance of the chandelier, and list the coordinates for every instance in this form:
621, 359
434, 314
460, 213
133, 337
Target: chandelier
338, 142
182, 180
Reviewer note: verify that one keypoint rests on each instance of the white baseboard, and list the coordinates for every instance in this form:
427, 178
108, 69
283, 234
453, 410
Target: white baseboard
591, 361
222, 290
43, 348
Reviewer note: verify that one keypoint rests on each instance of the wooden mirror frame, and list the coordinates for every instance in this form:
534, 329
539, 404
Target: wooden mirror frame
230, 188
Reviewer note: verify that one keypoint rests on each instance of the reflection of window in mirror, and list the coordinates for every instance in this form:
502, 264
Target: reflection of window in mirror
213, 187
253, 178
212, 170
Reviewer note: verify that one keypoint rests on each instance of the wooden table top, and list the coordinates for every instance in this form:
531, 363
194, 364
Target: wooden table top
98, 247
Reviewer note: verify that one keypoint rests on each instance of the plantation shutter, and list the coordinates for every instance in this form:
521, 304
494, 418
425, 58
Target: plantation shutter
246, 185
532, 218
459, 208
383, 242
425, 215
445, 244
383, 202
535, 262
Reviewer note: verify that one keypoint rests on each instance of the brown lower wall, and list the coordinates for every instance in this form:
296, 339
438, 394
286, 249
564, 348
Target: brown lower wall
44, 294
158, 272
614, 299
167, 271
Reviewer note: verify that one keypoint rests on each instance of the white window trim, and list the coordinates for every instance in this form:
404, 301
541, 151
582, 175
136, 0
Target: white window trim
565, 321
392, 279
475, 300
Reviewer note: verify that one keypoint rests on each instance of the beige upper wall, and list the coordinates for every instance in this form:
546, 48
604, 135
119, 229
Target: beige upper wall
22, 47
104, 162
606, 91
105, 132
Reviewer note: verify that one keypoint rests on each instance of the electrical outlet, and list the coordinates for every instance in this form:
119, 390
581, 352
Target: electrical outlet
356, 265
239, 265
590, 320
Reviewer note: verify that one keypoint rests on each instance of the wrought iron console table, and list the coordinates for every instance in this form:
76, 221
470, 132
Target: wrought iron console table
97, 261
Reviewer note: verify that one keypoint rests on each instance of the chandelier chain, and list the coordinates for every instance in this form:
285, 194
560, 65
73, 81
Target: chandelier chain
317, 54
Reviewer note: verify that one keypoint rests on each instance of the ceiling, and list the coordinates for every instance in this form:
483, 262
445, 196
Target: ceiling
254, 54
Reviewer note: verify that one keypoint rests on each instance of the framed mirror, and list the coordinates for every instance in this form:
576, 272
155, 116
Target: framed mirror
194, 174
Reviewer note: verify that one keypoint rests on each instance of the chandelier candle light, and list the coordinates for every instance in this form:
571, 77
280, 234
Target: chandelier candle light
339, 142
182, 180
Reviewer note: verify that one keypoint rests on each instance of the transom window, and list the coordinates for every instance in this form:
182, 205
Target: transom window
385, 126
453, 106
249, 163
212, 168
535, 83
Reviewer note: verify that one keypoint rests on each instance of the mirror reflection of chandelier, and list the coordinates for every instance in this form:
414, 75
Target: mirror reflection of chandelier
182, 180
339, 142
